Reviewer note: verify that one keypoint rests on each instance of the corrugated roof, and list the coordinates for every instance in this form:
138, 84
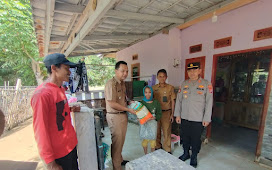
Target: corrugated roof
85, 27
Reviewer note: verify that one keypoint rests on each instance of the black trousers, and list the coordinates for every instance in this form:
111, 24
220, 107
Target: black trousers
69, 162
191, 135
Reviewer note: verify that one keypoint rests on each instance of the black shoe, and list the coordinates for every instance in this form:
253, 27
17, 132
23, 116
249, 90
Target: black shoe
170, 153
158, 148
184, 157
193, 162
124, 162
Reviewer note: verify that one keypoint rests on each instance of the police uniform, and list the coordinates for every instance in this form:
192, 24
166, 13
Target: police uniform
115, 90
194, 106
164, 94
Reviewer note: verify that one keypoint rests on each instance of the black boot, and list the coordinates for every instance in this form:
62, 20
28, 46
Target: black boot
193, 161
185, 156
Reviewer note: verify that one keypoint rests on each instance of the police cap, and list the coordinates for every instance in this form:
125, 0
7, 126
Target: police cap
194, 65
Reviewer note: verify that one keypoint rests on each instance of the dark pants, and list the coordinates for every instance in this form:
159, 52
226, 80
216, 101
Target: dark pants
69, 162
191, 136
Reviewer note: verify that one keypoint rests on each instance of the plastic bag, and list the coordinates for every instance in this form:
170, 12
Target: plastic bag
143, 114
148, 130
70, 98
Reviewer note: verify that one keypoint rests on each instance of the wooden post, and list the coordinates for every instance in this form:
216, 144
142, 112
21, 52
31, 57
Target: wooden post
18, 85
264, 112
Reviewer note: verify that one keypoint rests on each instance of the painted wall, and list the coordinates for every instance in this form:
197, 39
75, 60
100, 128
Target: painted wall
159, 51
240, 24
154, 54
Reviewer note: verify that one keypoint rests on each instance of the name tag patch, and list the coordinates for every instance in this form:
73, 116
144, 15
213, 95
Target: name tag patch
199, 92
164, 99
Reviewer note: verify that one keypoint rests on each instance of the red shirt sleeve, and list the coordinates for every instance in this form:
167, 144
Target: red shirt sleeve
40, 105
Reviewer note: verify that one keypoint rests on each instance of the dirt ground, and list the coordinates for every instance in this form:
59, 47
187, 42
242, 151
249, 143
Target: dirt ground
18, 149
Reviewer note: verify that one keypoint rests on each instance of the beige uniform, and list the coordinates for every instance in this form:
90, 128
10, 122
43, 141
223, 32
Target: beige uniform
115, 90
165, 95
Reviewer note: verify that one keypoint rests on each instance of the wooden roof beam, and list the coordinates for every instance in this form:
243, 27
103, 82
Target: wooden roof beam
115, 37
64, 7
88, 11
103, 37
220, 8
50, 5
59, 38
97, 48
143, 17
86, 46
96, 13
93, 53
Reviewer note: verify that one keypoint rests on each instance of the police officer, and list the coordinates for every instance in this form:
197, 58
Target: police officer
193, 110
116, 106
165, 94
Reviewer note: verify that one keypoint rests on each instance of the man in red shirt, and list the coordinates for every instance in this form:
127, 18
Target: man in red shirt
54, 133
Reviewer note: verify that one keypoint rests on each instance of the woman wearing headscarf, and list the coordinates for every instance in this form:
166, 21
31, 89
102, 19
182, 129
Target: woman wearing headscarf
148, 131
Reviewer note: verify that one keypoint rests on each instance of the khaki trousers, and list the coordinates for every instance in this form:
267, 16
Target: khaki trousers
118, 128
164, 124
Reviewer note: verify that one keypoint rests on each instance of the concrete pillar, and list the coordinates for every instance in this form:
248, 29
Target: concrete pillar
85, 129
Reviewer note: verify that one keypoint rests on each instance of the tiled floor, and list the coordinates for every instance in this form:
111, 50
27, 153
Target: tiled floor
230, 148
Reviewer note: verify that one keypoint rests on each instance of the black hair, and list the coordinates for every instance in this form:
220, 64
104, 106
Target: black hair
117, 65
162, 71
49, 71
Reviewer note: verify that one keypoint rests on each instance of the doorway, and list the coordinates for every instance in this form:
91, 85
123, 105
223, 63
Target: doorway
240, 81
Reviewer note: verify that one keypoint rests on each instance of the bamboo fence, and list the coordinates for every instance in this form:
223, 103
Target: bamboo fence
15, 104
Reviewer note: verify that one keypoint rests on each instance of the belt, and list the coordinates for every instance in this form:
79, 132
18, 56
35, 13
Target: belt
123, 112
166, 110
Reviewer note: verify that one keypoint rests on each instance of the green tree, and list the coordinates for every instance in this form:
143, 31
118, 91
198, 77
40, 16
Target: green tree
99, 69
19, 57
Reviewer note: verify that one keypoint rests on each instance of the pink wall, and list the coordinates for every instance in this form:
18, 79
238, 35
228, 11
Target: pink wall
240, 24
174, 73
150, 54
153, 54
159, 51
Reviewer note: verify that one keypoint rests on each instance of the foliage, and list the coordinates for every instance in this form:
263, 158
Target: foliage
97, 71
17, 39
18, 48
